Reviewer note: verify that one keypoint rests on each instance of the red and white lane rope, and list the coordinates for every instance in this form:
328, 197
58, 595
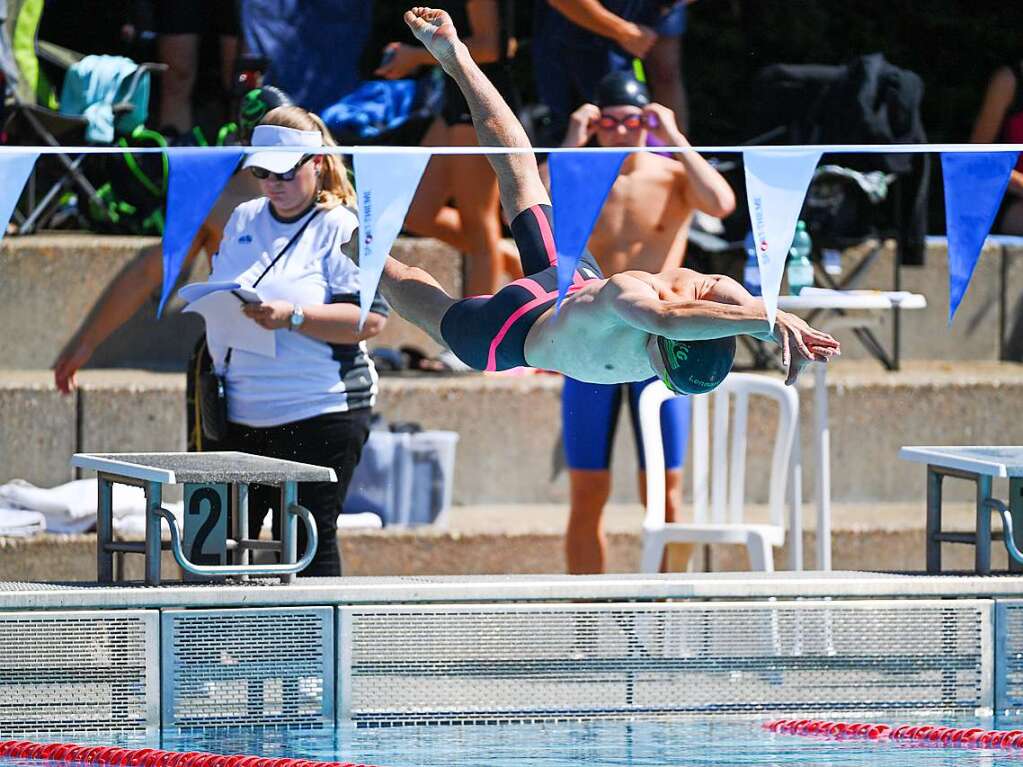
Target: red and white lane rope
976, 737
111, 756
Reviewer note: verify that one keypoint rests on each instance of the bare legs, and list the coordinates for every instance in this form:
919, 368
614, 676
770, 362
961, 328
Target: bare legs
416, 296
181, 54
474, 225
585, 541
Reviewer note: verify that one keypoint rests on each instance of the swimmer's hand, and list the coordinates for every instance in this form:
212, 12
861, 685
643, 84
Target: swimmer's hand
637, 39
662, 125
801, 345
435, 30
581, 126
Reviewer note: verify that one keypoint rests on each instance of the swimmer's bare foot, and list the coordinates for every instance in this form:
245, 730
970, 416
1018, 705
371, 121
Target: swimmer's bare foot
435, 30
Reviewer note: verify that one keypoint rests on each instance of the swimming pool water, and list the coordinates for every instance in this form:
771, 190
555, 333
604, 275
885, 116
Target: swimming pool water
719, 743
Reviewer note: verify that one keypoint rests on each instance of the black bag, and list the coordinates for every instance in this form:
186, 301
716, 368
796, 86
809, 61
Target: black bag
211, 389
212, 396
132, 199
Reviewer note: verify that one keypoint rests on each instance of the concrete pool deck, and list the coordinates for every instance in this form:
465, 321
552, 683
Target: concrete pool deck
529, 539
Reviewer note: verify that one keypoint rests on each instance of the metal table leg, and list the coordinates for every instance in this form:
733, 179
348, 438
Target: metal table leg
796, 505
104, 531
241, 520
1016, 510
822, 481
983, 535
289, 527
934, 478
154, 500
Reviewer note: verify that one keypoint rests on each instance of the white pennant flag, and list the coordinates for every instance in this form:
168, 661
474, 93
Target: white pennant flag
776, 184
15, 168
386, 184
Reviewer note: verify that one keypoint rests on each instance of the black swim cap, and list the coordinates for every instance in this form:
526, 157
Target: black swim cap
257, 103
696, 367
619, 89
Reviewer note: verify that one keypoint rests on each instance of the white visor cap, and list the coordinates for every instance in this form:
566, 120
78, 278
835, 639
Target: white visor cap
276, 136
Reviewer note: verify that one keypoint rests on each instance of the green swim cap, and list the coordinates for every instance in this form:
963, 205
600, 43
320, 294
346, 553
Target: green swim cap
696, 367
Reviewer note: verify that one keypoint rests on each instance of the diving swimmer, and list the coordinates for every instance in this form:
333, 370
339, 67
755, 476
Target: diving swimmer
677, 324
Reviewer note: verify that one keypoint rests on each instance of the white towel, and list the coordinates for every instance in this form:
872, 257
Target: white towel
71, 507
20, 523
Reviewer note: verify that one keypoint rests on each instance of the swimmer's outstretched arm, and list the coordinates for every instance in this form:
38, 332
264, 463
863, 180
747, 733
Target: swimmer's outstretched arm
725, 309
495, 123
639, 305
720, 287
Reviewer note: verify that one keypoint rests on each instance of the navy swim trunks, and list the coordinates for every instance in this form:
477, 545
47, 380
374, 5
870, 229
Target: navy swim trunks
589, 415
489, 332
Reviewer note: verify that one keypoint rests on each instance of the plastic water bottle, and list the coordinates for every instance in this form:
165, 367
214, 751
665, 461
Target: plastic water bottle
799, 269
751, 272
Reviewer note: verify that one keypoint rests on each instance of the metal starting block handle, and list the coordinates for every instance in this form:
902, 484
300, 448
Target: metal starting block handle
998, 507
281, 569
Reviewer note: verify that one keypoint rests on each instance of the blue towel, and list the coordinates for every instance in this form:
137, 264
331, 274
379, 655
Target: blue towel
373, 108
94, 85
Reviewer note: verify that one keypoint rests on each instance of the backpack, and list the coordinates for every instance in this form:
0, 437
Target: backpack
134, 195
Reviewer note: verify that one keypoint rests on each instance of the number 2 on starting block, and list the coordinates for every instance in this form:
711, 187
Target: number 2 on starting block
205, 537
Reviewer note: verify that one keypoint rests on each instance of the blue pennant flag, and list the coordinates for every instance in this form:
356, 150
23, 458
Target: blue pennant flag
14, 170
974, 186
197, 177
580, 182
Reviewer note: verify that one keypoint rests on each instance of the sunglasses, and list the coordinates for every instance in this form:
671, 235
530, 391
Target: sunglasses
630, 122
288, 175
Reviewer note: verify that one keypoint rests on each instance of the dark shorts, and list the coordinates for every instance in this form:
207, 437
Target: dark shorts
589, 415
489, 332
332, 439
197, 17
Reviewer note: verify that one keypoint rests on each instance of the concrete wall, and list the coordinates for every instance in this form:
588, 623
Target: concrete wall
49, 282
498, 551
975, 333
38, 429
509, 427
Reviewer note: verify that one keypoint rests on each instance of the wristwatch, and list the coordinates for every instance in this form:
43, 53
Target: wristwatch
297, 318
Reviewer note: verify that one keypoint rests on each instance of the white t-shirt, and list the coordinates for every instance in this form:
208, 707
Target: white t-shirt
308, 377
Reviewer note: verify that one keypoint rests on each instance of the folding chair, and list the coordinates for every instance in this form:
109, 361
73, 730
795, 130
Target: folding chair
32, 118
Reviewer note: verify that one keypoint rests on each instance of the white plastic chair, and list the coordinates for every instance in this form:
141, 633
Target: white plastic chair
727, 476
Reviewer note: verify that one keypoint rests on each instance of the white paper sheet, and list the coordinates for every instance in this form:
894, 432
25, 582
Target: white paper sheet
220, 304
196, 290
